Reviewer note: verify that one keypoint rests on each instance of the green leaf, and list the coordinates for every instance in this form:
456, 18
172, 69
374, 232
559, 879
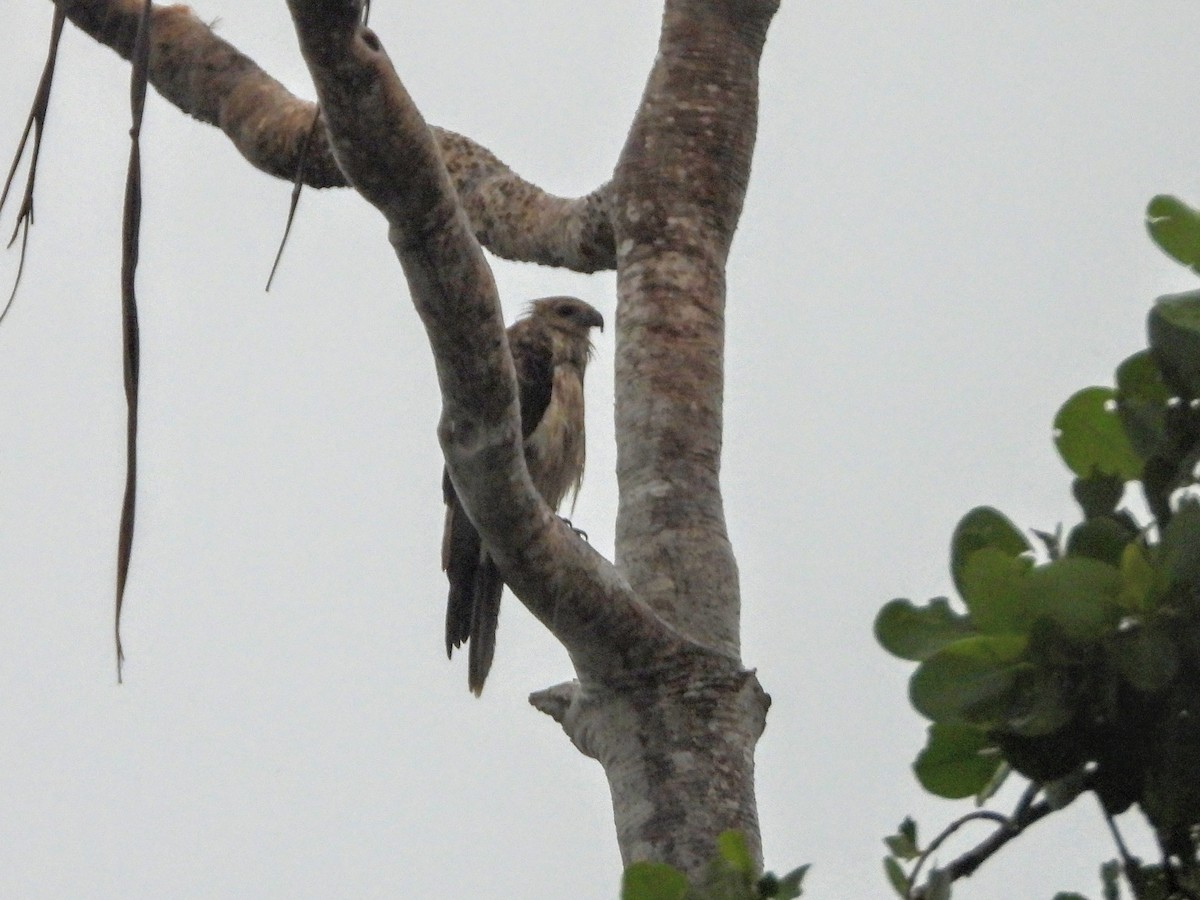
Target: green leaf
1103, 538
1110, 877
1077, 594
1043, 704
903, 843
791, 885
731, 847
983, 527
896, 877
937, 887
1174, 328
1046, 758
1175, 227
1062, 792
653, 881
908, 828
1142, 399
1179, 551
1145, 656
1091, 439
1139, 579
1071, 895
971, 681
1098, 495
917, 632
958, 761
991, 589
992, 788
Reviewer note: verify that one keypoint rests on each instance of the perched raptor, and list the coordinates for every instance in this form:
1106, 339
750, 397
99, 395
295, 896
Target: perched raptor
550, 350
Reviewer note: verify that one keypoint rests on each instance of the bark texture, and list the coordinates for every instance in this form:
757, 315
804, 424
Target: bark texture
211, 80
677, 195
662, 698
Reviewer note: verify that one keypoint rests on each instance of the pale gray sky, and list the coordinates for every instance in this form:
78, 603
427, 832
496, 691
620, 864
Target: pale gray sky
942, 241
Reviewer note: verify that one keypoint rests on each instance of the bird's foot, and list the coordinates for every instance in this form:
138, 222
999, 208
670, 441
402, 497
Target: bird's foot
578, 531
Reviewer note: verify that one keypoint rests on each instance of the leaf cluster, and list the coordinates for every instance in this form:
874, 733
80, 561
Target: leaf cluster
1076, 663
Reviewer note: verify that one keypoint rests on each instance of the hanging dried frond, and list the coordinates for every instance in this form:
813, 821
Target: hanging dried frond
297, 187
131, 226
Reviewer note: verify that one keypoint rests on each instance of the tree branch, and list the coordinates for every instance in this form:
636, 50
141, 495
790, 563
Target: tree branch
1027, 813
211, 80
678, 192
388, 154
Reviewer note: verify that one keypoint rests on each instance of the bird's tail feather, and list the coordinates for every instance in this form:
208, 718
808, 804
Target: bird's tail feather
485, 616
460, 559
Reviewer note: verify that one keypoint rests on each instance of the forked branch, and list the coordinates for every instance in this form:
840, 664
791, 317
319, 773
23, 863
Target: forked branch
389, 155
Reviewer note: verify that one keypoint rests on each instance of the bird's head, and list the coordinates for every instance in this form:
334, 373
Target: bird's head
569, 314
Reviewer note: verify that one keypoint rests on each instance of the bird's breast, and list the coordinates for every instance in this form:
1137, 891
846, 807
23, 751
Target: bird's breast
554, 451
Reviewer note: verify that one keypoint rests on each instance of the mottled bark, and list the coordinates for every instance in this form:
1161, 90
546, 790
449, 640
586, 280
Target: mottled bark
677, 195
211, 80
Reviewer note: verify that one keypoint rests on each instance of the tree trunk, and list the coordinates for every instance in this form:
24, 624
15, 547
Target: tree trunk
662, 698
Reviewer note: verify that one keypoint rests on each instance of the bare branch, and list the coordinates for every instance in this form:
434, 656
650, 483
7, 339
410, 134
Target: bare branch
211, 80
1025, 814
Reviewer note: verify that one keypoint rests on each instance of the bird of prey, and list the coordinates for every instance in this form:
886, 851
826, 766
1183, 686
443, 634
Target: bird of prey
550, 350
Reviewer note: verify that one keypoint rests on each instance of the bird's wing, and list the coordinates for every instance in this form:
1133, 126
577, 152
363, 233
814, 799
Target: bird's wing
473, 603
533, 357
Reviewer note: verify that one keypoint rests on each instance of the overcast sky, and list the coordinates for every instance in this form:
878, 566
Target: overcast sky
943, 240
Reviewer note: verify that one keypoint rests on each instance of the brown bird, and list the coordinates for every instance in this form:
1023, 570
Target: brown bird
550, 351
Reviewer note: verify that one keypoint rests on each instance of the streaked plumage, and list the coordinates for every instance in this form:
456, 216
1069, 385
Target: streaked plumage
550, 350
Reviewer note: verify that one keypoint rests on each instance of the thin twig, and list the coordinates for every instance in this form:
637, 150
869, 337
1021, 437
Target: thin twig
36, 124
1024, 814
977, 815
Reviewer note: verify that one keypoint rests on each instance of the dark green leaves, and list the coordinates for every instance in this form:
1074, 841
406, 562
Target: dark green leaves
917, 632
903, 844
958, 761
895, 876
1078, 666
983, 527
1175, 227
970, 681
902, 848
991, 588
789, 887
1142, 400
1180, 548
1145, 657
1077, 595
1091, 439
1174, 330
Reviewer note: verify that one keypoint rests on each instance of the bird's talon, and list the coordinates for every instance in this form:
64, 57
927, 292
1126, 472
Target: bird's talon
579, 531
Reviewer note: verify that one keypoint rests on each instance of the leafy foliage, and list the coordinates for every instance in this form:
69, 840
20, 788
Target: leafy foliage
1078, 665
732, 876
